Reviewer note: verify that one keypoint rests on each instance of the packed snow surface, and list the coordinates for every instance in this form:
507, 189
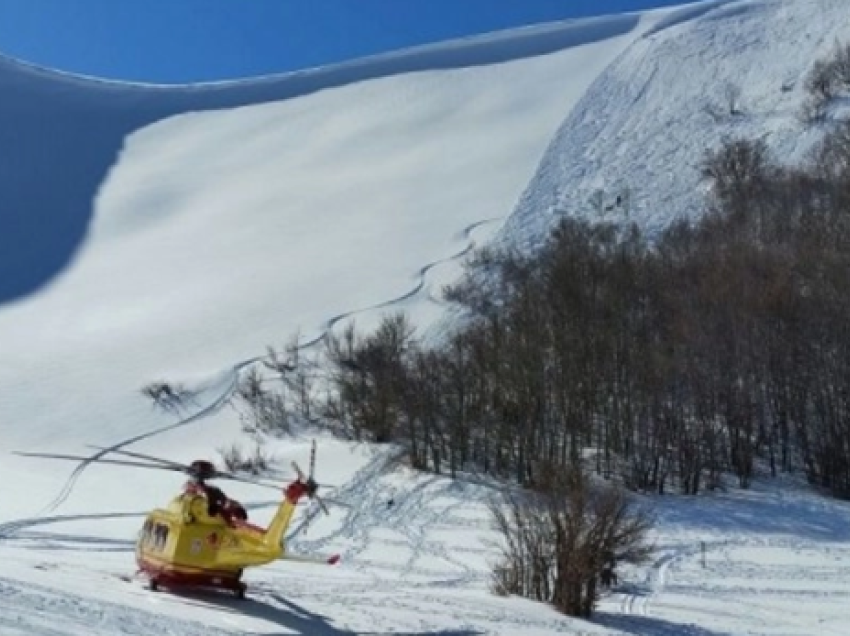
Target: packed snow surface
173, 233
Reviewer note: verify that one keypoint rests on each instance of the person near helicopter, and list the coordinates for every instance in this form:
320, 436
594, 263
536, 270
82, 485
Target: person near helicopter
218, 505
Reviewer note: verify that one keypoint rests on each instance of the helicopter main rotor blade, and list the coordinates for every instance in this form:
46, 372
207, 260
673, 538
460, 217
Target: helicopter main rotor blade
298, 472
246, 480
176, 465
169, 466
98, 460
322, 505
118, 451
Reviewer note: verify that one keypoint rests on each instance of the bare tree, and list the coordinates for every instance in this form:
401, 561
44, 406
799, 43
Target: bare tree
824, 81
365, 378
737, 170
265, 407
560, 541
237, 460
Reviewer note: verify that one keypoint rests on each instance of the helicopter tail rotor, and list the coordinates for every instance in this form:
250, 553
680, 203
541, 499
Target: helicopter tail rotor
309, 482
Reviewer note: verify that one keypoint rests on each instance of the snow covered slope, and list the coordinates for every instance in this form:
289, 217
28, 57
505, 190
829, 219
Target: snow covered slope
174, 232
61, 133
641, 129
217, 233
214, 234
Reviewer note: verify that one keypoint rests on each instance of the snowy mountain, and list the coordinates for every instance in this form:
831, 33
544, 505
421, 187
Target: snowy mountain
707, 72
154, 232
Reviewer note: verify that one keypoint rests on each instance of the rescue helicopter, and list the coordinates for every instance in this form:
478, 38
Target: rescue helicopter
202, 538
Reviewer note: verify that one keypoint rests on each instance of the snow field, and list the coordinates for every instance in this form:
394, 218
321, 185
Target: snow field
218, 232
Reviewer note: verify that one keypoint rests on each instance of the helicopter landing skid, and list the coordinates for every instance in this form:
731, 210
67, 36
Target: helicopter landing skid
174, 581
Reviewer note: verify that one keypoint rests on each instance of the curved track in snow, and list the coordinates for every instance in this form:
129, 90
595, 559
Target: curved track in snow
11, 528
25, 607
234, 373
421, 281
211, 408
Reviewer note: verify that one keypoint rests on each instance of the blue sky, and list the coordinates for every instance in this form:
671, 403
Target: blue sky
176, 41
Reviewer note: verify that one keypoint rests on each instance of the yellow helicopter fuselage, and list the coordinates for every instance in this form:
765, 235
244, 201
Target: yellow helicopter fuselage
183, 543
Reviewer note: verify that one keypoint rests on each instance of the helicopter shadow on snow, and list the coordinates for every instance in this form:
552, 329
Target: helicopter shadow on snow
294, 618
636, 625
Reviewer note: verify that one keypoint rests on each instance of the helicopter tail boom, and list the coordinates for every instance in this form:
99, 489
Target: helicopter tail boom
280, 523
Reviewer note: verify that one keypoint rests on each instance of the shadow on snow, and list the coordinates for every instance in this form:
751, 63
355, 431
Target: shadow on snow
295, 618
768, 507
650, 626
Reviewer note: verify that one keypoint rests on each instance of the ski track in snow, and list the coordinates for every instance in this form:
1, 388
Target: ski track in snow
628, 606
410, 516
234, 373
377, 591
24, 606
421, 281
637, 599
426, 580
11, 529
387, 587
211, 408
103, 618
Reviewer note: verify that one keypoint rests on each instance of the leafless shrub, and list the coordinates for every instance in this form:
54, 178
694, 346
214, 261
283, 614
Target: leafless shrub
737, 169
168, 396
265, 408
830, 158
561, 544
365, 375
236, 460
822, 80
276, 363
826, 79
813, 110
841, 63
296, 372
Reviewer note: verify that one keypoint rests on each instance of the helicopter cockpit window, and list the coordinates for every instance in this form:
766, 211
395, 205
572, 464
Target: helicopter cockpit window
155, 535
